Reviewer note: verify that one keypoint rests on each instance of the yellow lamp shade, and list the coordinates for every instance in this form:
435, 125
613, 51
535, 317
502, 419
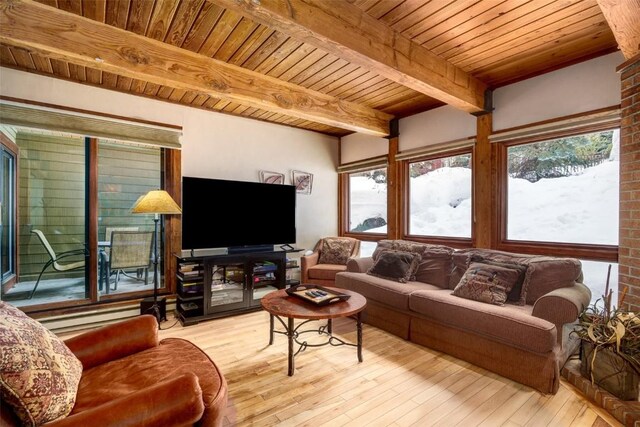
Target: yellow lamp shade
156, 202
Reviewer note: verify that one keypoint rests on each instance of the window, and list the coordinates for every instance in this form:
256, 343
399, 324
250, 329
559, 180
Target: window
368, 201
125, 172
595, 277
564, 190
51, 207
71, 189
439, 196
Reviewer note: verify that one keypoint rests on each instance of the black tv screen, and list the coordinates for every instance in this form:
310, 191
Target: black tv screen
220, 213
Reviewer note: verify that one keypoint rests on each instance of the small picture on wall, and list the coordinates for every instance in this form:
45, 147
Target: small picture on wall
271, 177
303, 181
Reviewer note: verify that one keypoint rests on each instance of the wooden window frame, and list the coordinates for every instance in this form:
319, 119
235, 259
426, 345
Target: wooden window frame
591, 252
344, 211
13, 149
455, 242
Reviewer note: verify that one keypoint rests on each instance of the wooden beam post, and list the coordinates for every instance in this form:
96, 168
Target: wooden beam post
484, 226
345, 30
64, 36
393, 186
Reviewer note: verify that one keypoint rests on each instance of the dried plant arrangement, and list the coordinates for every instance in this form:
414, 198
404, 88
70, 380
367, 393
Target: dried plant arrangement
608, 330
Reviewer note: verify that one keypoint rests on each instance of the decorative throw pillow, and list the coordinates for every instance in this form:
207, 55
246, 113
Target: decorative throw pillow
487, 283
39, 375
515, 294
395, 265
335, 251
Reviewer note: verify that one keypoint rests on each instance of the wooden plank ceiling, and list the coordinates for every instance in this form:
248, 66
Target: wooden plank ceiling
496, 42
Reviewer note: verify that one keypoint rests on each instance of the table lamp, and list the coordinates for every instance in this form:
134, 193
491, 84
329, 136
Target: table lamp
157, 202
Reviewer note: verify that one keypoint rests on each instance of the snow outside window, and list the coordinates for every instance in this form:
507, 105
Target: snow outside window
368, 201
440, 197
565, 190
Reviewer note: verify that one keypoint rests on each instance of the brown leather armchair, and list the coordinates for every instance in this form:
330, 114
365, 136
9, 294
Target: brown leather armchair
315, 269
130, 378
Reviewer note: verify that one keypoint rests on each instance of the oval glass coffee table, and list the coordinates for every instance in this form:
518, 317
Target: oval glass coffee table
280, 305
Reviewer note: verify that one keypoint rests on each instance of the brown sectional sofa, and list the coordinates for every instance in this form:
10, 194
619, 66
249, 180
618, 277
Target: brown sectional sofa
527, 339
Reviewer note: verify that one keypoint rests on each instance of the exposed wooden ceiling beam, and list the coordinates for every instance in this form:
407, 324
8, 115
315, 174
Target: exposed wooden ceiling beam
346, 31
623, 17
65, 36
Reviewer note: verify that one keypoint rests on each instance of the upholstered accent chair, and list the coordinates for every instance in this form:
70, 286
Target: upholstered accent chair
117, 375
329, 257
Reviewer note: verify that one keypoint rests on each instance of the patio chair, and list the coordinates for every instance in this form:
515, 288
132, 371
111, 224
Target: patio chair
129, 250
55, 258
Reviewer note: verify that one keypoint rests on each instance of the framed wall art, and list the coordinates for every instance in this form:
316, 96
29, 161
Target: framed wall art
271, 177
303, 181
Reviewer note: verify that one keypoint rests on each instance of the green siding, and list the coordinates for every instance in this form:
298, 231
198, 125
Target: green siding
52, 193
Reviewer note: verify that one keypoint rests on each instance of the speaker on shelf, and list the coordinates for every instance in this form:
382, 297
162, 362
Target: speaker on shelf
146, 307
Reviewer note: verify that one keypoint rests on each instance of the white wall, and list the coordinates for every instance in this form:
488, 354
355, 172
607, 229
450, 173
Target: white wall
441, 124
582, 87
358, 146
214, 145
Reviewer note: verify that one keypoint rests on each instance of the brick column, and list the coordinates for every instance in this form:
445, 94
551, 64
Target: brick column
629, 247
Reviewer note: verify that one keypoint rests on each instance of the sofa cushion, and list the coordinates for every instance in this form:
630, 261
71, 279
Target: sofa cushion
546, 274
385, 291
488, 283
395, 265
334, 250
509, 324
39, 375
435, 264
325, 271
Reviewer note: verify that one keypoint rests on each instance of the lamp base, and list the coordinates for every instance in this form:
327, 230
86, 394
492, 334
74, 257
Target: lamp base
159, 309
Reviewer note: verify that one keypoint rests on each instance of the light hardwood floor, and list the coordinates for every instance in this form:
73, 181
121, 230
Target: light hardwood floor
398, 383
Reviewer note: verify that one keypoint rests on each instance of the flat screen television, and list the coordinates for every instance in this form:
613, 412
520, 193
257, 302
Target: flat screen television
219, 213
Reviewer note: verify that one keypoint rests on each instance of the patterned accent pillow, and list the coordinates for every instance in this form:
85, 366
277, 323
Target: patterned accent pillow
515, 294
395, 265
335, 251
39, 375
487, 283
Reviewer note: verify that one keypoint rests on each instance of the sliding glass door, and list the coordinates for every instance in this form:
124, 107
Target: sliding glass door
126, 171
51, 219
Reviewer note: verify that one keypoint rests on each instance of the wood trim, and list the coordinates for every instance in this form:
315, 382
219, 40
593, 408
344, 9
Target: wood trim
107, 48
83, 111
454, 242
348, 32
173, 223
482, 188
574, 250
343, 204
394, 191
91, 195
367, 237
623, 18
